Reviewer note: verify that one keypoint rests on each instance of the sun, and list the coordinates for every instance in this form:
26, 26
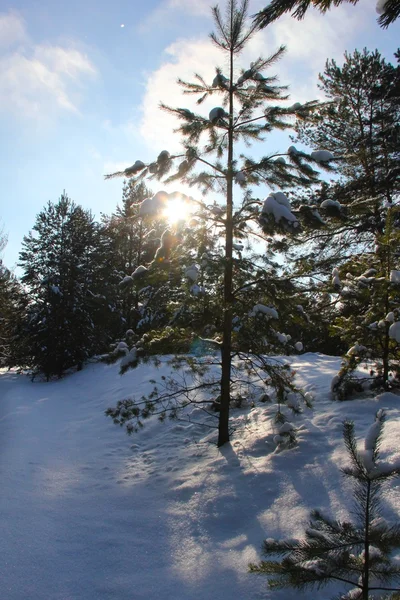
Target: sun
178, 208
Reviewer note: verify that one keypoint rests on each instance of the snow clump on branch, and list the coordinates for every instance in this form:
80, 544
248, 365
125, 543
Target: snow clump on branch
268, 311
394, 331
322, 156
216, 114
278, 205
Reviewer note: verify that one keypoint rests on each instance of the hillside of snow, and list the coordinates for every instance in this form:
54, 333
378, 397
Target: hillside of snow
88, 513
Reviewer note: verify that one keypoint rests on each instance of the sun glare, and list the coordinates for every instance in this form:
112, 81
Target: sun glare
178, 209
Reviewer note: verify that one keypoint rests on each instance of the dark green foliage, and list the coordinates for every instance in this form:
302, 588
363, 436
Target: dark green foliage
370, 307
130, 241
357, 553
358, 219
277, 8
60, 262
13, 303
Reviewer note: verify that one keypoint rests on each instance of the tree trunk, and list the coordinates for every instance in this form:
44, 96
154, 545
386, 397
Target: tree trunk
226, 352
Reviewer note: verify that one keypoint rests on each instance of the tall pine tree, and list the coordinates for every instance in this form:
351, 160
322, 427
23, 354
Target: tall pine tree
248, 111
58, 260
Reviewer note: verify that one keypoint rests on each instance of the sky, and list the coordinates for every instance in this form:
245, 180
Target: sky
81, 84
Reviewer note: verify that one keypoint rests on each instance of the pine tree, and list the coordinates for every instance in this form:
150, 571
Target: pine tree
130, 242
370, 311
348, 251
12, 313
389, 10
58, 259
357, 553
247, 113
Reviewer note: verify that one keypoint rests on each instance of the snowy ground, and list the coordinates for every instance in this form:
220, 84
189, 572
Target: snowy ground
87, 513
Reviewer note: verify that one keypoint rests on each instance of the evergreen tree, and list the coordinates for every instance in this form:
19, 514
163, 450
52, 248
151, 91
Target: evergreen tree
247, 113
357, 553
370, 313
347, 252
130, 243
12, 312
58, 259
389, 10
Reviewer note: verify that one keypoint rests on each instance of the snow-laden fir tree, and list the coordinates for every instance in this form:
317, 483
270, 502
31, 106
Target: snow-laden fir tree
358, 553
369, 318
249, 106
347, 261
131, 242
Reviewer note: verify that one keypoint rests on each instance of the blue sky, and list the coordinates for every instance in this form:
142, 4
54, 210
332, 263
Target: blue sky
81, 81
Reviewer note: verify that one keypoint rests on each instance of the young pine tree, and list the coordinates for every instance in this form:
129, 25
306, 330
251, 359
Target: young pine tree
248, 110
356, 553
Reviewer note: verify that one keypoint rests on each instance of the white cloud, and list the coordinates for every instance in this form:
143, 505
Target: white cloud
309, 43
170, 12
12, 30
318, 37
185, 57
39, 81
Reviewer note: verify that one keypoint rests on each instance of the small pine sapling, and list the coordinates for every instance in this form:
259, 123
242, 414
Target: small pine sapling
357, 553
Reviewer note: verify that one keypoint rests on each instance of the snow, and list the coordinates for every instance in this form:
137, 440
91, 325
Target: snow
394, 331
282, 337
152, 206
192, 273
281, 198
270, 312
89, 513
135, 168
278, 209
163, 157
322, 156
220, 81
126, 281
129, 358
216, 114
298, 346
122, 346
356, 350
395, 277
372, 435
240, 177
331, 204
292, 150
139, 272
336, 278
197, 290
286, 428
